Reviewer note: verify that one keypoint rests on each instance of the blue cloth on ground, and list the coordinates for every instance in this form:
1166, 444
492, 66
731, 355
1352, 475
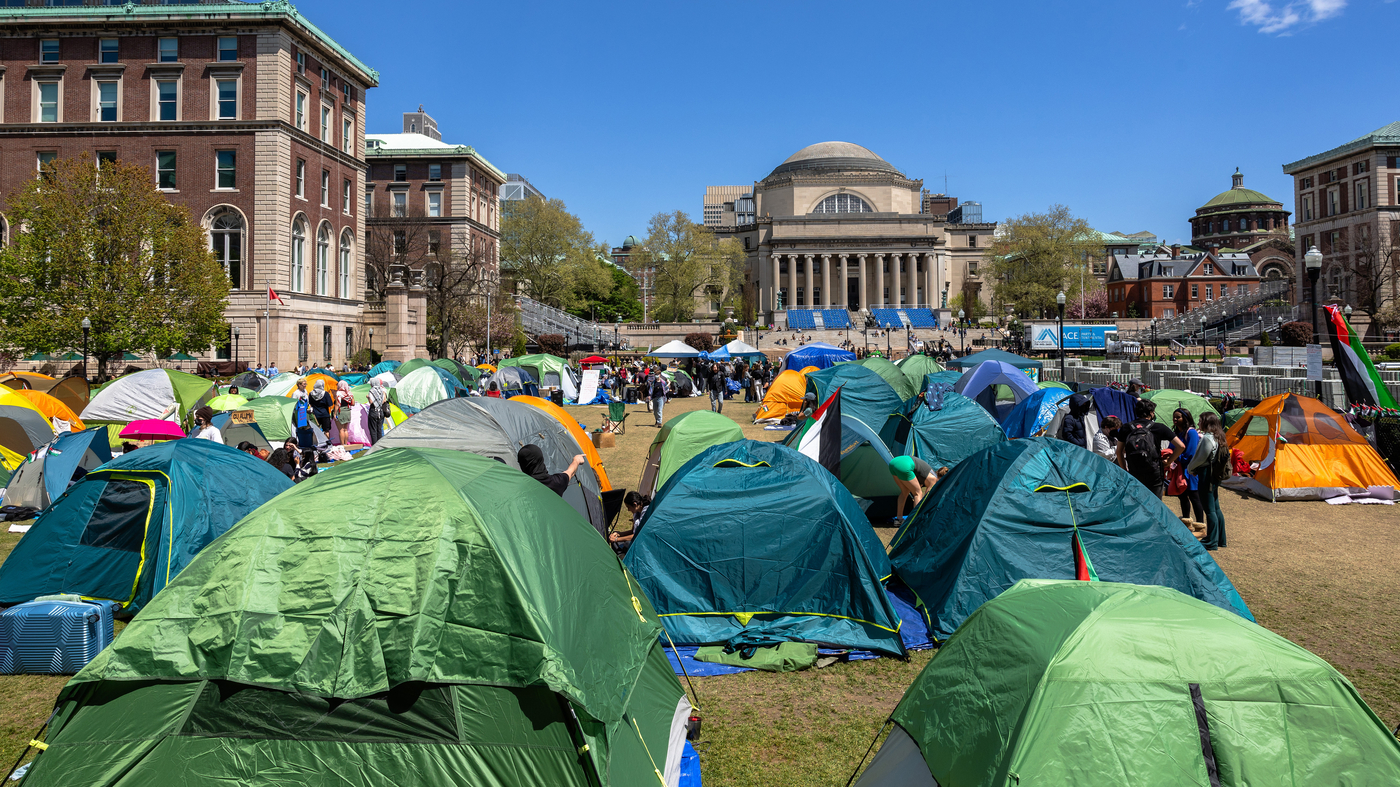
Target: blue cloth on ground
690, 766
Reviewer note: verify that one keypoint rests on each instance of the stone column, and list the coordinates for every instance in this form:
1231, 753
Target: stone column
777, 281
913, 280
845, 285
860, 285
398, 339
826, 280
792, 280
930, 279
807, 279
943, 283
878, 301
418, 311
896, 282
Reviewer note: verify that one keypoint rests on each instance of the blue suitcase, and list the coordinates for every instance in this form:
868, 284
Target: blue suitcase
54, 636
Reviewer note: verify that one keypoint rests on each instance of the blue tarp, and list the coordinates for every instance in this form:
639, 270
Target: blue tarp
1110, 401
818, 354
384, 366
1033, 413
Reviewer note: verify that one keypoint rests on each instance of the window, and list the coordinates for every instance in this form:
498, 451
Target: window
1307, 208
1360, 167
1168, 291
1195, 291
228, 98
1242, 289
1210, 292
225, 165
1334, 201
345, 267
843, 203
325, 188
48, 50
228, 48
369, 202
226, 235
301, 343
323, 263
326, 342
165, 169
301, 111
345, 91
1334, 242
400, 173
107, 51
972, 241
346, 125
48, 102
169, 49
301, 179
349, 343
107, 102
1210, 269
400, 203
1363, 192
434, 242
105, 157
434, 172
46, 158
345, 196
299, 260
400, 242
435, 203
325, 129
168, 98
301, 62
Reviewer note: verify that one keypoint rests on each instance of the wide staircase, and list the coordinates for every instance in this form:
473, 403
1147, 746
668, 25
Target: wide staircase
1232, 318
904, 318
537, 318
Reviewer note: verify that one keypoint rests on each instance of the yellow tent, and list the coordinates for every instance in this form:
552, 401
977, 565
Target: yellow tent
784, 396
585, 445
9, 459
1304, 451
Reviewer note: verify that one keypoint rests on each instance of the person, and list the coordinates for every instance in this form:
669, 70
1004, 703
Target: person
1212, 464
637, 504
252, 450
129, 447
281, 460
906, 473
321, 405
531, 461
204, 428
1073, 428
345, 408
378, 410
301, 417
717, 387
272, 370
233, 390
1135, 387
656, 395
493, 389
306, 467
1188, 483
1139, 447
926, 477
1105, 440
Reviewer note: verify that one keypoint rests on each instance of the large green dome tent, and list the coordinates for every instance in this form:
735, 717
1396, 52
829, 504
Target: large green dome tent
152, 393
865, 395
428, 634
1168, 400
899, 382
918, 366
681, 438
1015, 511
1097, 683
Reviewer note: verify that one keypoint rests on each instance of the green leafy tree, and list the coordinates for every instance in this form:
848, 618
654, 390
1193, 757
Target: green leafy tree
970, 305
102, 244
1036, 255
550, 254
690, 263
622, 299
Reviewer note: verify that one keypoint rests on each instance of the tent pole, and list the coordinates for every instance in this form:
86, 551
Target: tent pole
868, 750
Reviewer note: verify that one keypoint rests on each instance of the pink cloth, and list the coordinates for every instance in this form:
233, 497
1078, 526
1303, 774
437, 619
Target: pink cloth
359, 424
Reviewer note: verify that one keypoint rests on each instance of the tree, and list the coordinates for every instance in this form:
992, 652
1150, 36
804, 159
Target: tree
1093, 306
405, 240
102, 244
1374, 267
1035, 256
970, 305
550, 254
622, 299
457, 280
1297, 334
689, 262
704, 342
472, 328
552, 344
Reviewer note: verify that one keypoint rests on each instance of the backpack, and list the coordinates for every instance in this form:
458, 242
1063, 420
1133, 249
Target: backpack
1139, 448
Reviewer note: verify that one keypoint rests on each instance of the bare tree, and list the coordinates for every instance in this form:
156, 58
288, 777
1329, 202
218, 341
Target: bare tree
458, 279
392, 239
1373, 270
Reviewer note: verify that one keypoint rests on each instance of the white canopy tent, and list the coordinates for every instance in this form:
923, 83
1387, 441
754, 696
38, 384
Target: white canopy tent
675, 349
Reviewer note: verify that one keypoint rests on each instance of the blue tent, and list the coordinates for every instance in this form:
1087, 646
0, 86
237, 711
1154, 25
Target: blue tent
48, 471
1014, 511
818, 354
131, 525
864, 393
1034, 413
981, 381
384, 366
752, 543
514, 381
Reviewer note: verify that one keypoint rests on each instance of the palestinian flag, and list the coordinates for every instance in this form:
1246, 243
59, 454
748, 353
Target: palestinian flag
1363, 384
1083, 566
821, 440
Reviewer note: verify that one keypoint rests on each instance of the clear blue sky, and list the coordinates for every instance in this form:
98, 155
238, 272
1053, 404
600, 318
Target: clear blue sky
1131, 112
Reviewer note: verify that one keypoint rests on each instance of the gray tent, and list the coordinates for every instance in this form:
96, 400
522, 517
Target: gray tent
498, 429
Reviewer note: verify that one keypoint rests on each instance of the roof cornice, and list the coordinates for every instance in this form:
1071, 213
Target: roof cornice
1377, 139
458, 151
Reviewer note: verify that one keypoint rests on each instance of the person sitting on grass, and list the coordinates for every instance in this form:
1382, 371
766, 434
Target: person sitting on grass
637, 504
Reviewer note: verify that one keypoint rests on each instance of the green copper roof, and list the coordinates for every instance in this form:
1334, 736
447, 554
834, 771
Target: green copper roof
1385, 135
1239, 197
456, 151
270, 10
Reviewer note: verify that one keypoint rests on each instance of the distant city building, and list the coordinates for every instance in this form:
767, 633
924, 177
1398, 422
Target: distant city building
715, 199
518, 188
1245, 220
420, 123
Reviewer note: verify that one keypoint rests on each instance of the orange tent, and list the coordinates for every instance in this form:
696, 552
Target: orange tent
50, 407
1305, 452
810, 369
325, 378
25, 380
72, 391
585, 445
784, 396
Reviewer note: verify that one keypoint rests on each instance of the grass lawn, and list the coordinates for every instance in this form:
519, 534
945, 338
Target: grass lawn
1326, 577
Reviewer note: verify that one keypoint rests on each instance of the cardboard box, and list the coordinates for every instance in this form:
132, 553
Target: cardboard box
604, 440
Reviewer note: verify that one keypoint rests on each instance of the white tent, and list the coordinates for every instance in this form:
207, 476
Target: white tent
675, 349
738, 349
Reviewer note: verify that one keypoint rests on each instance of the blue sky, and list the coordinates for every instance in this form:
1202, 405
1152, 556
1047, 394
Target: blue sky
1132, 112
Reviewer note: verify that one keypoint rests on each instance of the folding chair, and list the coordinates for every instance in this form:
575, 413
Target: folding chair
616, 419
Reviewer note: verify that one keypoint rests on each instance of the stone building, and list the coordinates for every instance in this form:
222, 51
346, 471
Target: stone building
245, 113
838, 227
716, 200
1244, 220
431, 207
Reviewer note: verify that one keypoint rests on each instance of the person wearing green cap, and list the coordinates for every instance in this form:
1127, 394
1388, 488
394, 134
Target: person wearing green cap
914, 477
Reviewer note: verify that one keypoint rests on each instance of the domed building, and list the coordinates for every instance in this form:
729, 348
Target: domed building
1250, 222
837, 227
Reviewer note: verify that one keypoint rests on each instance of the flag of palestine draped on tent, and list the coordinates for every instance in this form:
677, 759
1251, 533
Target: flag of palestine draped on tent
1362, 382
822, 439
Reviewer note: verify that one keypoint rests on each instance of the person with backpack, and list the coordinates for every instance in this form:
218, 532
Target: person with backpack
1184, 483
1139, 447
1212, 464
656, 394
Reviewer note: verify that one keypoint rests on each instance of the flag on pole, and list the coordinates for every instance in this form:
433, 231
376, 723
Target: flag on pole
822, 438
273, 296
1362, 382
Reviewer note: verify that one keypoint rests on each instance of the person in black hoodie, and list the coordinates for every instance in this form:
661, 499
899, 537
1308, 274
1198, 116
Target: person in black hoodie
531, 460
1072, 428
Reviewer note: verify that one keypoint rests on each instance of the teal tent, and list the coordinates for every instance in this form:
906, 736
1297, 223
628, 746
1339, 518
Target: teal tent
1020, 362
865, 395
752, 543
948, 377
382, 367
49, 469
133, 524
1022, 510
864, 470
942, 437
899, 381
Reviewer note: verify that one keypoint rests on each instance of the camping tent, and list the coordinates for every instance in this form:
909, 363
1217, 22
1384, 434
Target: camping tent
1106, 683
16, 380
1168, 400
22, 427
514, 381
382, 367
281, 385
49, 470
424, 386
1014, 512
550, 370
898, 380
576, 431
738, 349
72, 391
1034, 412
865, 395
681, 384
819, 354
979, 383
782, 397
1305, 452
754, 543
249, 380
153, 393
274, 416
681, 438
943, 437
1031, 366
233, 434
1052, 384
498, 429
916, 367
674, 349
47, 406
427, 634
131, 525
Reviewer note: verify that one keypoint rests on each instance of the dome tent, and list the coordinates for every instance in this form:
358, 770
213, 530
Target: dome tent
681, 384
819, 354
942, 437
135, 522
1057, 682
981, 381
754, 543
1168, 401
865, 395
427, 636
784, 396
154, 393
22, 427
550, 371
1034, 413
681, 438
49, 470
424, 386
576, 430
899, 382
1014, 512
917, 366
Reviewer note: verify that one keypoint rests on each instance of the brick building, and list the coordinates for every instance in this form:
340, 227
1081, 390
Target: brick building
245, 113
1172, 281
1250, 222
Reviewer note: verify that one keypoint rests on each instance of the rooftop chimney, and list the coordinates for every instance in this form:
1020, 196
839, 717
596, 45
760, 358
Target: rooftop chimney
1237, 180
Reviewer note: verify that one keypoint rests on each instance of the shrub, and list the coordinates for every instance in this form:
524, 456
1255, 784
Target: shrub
1267, 341
552, 344
1297, 334
365, 357
1392, 351
703, 342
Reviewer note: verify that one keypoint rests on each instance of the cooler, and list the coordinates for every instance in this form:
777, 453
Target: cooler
54, 636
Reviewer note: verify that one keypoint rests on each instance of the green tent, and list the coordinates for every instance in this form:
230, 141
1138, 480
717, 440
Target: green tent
274, 416
467, 374
151, 393
410, 365
1229, 417
425, 385
548, 369
1096, 683
458, 624
681, 438
898, 380
1168, 400
865, 395
1052, 384
917, 367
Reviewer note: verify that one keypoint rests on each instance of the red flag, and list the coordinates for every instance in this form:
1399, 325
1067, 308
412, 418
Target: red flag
1083, 567
272, 296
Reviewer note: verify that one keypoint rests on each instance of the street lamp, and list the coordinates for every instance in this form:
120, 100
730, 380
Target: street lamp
617, 343
1060, 307
235, 349
1153, 323
962, 333
1202, 319
1347, 311
87, 326
1313, 262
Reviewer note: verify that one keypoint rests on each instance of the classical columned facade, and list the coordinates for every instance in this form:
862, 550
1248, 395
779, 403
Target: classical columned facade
852, 280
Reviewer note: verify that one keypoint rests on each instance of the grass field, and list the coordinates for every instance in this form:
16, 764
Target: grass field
1326, 577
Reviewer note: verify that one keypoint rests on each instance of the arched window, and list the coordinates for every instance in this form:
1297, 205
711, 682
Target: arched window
323, 261
299, 256
345, 257
843, 203
226, 237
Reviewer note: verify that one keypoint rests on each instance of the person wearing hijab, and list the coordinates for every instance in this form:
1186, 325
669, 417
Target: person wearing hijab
1186, 482
378, 410
321, 404
345, 407
531, 460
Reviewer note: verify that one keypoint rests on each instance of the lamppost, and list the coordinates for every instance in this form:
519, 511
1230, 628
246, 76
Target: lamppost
1060, 340
1313, 262
1153, 323
617, 343
962, 333
87, 326
371, 347
1202, 318
235, 349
